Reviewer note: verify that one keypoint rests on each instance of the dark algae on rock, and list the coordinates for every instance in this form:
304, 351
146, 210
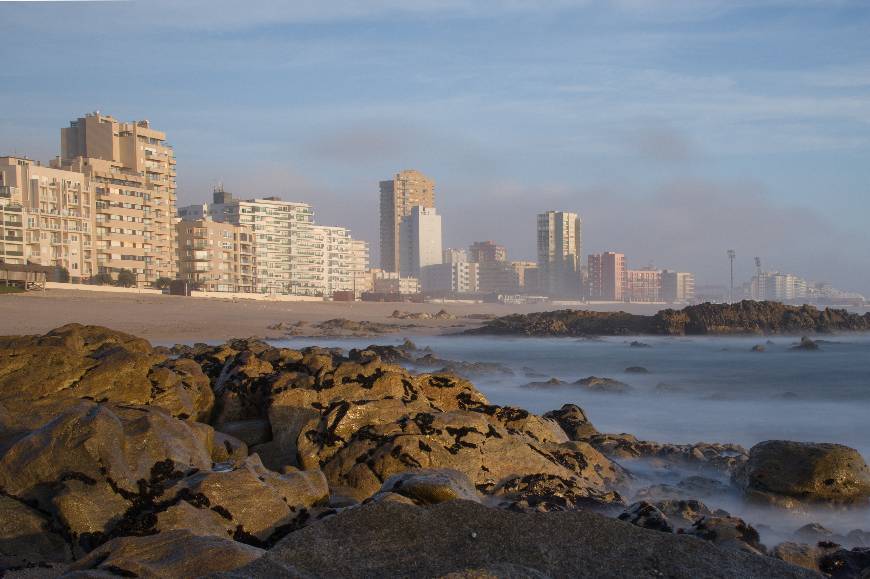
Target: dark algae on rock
746, 317
248, 460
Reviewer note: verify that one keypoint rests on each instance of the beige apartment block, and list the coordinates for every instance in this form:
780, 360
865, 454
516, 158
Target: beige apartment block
408, 189
390, 282
216, 257
131, 170
359, 266
47, 217
487, 251
560, 246
644, 285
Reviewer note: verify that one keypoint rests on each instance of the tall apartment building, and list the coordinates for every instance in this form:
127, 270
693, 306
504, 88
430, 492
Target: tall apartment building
359, 267
131, 171
644, 285
408, 189
678, 286
450, 255
335, 249
526, 274
420, 240
780, 287
216, 257
487, 252
47, 217
607, 276
560, 246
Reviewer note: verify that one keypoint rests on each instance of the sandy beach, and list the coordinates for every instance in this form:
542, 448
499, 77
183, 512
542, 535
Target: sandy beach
163, 318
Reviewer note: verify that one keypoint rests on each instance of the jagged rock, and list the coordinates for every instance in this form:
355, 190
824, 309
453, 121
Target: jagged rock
758, 348
251, 432
813, 533
168, 554
636, 370
604, 385
40, 376
548, 493
647, 516
431, 486
720, 457
728, 533
551, 383
693, 486
573, 421
26, 538
391, 539
227, 448
805, 471
858, 538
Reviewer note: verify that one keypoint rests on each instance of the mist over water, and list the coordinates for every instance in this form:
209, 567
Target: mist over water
718, 390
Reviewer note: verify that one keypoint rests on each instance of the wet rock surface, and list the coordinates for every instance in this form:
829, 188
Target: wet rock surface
142, 460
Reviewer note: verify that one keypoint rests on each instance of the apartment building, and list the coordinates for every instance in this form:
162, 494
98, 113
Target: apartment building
644, 285
678, 286
458, 277
359, 267
47, 217
131, 170
408, 189
420, 235
391, 282
560, 246
216, 257
607, 277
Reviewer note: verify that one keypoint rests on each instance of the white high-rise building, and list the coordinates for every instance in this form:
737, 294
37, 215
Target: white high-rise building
560, 250
420, 235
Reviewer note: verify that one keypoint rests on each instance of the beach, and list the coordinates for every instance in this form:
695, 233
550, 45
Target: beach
164, 318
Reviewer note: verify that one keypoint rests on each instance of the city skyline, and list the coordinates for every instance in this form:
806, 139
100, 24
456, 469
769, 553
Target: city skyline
725, 124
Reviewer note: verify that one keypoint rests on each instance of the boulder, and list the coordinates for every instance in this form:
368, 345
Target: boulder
466, 539
636, 370
845, 564
603, 385
26, 537
167, 554
805, 471
647, 516
728, 533
804, 555
684, 513
806, 345
431, 486
813, 533
573, 421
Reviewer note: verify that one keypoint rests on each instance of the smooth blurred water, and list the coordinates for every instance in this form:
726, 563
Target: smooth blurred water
728, 393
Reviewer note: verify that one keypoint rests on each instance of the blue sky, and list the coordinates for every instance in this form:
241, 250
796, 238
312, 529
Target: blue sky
678, 129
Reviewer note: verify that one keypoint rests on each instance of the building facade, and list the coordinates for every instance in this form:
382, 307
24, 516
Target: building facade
390, 282
678, 286
420, 235
216, 257
607, 277
131, 170
458, 277
487, 252
47, 217
644, 285
408, 189
560, 246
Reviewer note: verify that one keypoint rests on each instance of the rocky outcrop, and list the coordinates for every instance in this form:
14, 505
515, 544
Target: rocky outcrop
728, 532
573, 421
746, 317
647, 516
718, 457
27, 538
466, 539
782, 472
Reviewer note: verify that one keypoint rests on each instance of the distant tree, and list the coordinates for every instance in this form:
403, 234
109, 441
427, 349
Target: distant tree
126, 278
61, 274
162, 282
102, 279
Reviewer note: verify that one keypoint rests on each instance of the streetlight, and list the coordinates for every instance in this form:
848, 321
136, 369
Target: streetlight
731, 255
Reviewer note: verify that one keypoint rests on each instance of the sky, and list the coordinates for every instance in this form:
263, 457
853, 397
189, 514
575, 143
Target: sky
677, 129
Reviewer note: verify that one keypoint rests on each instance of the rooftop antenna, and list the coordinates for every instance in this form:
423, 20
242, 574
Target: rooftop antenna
731, 255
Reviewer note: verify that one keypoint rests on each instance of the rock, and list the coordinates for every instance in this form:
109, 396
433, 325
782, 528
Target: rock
803, 555
758, 348
40, 376
573, 421
693, 486
720, 457
813, 533
549, 493
431, 486
251, 432
552, 382
227, 448
646, 516
636, 370
805, 471
26, 537
686, 512
858, 538
728, 533
807, 345
669, 388
168, 554
606, 385
637, 344
463, 537
843, 564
